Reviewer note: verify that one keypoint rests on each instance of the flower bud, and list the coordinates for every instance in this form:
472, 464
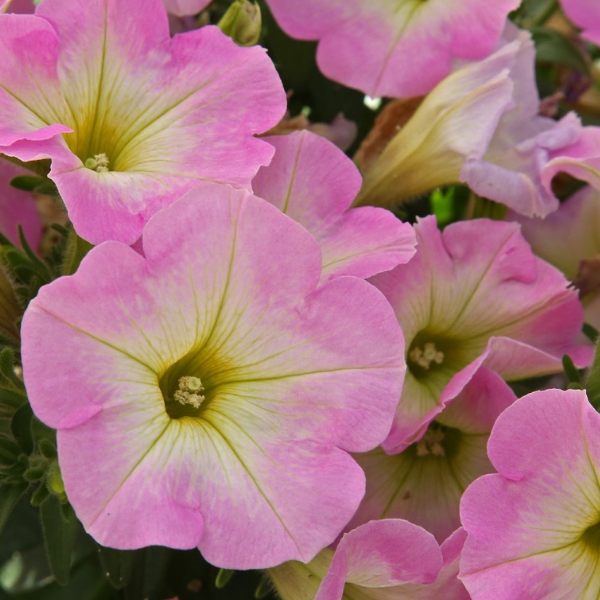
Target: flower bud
242, 23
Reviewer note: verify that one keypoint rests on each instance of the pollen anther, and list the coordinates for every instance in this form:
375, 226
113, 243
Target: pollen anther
99, 163
189, 392
424, 357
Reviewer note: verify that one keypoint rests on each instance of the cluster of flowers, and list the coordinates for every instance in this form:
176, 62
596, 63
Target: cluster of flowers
257, 358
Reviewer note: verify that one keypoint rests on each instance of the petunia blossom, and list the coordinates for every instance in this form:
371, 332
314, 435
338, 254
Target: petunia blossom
208, 394
377, 46
389, 559
585, 14
534, 527
314, 183
569, 239
472, 296
478, 126
17, 208
131, 118
424, 483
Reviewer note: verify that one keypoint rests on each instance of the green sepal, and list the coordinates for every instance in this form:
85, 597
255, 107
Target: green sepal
9, 496
223, 578
59, 538
40, 495
75, 251
48, 448
34, 474
117, 565
264, 588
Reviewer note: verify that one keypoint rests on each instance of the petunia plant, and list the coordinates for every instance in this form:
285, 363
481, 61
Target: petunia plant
298, 300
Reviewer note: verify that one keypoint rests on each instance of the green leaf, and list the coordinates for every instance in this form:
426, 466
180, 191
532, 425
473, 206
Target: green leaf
553, 47
149, 568
263, 589
571, 371
59, 538
592, 384
590, 332
117, 565
21, 428
27, 183
12, 399
9, 496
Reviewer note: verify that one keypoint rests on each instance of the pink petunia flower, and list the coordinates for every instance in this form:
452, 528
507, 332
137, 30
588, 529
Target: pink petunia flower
585, 14
424, 483
474, 295
314, 183
17, 208
130, 117
380, 560
208, 394
398, 49
534, 527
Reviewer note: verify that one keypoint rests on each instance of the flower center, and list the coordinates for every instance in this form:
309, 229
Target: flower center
439, 441
98, 163
426, 355
431, 443
189, 392
591, 537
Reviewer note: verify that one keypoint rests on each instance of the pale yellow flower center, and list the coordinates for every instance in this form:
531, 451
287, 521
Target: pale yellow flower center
190, 392
99, 163
426, 355
431, 443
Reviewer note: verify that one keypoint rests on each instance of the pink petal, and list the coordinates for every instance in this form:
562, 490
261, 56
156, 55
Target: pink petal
382, 554
545, 495
313, 182
388, 37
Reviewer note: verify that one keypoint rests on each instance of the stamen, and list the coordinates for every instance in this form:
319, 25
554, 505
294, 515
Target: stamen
429, 354
189, 392
431, 443
99, 163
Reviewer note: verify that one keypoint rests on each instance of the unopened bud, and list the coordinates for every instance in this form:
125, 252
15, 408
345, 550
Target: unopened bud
242, 23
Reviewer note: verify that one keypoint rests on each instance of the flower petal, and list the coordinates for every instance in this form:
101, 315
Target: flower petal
318, 194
